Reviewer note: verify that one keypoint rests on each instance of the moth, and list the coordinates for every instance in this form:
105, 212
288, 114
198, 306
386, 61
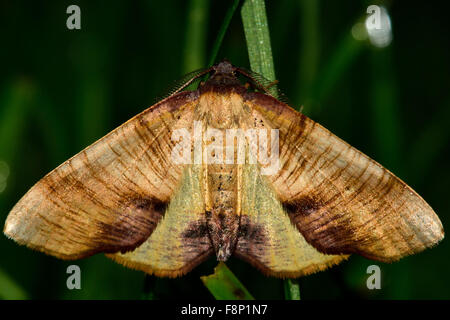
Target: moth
163, 192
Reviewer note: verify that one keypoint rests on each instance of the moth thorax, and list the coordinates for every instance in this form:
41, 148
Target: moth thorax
222, 111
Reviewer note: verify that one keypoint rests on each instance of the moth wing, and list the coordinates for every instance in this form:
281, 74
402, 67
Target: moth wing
338, 198
110, 196
268, 240
180, 241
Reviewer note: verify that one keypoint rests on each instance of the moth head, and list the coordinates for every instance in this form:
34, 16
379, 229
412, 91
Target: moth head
223, 75
229, 75
224, 67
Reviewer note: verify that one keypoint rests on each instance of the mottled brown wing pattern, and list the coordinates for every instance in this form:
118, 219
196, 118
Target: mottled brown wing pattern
110, 196
125, 196
338, 198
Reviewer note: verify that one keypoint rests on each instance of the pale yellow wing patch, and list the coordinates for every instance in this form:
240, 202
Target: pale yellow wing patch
268, 239
180, 241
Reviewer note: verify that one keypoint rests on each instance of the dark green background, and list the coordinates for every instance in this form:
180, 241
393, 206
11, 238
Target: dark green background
61, 90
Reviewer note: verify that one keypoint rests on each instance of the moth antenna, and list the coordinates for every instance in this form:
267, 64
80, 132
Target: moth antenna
183, 82
263, 84
273, 83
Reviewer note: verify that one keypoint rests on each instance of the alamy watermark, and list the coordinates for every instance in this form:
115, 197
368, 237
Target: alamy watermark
74, 20
74, 280
374, 280
229, 146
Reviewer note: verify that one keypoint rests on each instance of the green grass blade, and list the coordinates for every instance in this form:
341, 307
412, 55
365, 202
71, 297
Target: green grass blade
291, 289
9, 289
339, 62
222, 31
257, 35
224, 285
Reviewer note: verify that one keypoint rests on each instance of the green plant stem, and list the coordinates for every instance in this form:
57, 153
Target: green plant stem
291, 289
339, 62
222, 31
257, 35
224, 285
256, 30
9, 289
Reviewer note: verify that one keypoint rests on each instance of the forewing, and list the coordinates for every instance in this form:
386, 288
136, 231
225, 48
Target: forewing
268, 239
110, 196
338, 198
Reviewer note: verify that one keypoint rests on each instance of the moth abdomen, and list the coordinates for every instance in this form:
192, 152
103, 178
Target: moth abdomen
223, 222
